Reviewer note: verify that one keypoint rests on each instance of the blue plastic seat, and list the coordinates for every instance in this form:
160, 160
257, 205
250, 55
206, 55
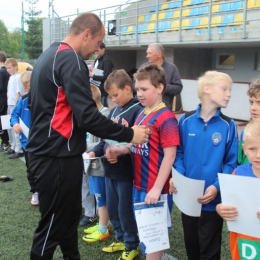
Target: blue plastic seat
167, 25
123, 30
169, 15
193, 22
162, 27
147, 17
224, 8
154, 8
227, 19
203, 10
194, 11
171, 5
142, 28
236, 6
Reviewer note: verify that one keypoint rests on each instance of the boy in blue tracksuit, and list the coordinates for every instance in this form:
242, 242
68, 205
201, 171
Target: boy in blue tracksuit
21, 111
119, 171
208, 146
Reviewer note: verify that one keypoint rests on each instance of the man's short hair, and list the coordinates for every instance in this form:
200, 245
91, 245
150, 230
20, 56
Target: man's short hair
96, 94
254, 88
2, 56
86, 21
102, 45
211, 78
118, 78
12, 62
152, 72
157, 47
252, 129
25, 77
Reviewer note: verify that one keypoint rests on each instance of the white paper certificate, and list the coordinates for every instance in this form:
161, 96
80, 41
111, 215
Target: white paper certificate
243, 193
188, 190
5, 120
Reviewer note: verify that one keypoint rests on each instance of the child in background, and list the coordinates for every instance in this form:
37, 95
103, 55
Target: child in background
88, 199
4, 78
21, 111
208, 146
152, 161
14, 92
251, 147
254, 99
118, 171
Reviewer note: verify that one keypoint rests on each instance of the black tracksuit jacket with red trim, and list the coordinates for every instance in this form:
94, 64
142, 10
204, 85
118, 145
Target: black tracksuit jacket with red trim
62, 108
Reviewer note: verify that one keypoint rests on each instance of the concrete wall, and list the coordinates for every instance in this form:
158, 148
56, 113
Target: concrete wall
192, 62
122, 59
244, 63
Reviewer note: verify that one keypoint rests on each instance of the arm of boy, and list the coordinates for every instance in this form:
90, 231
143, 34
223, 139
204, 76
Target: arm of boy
227, 212
258, 214
165, 169
16, 113
112, 152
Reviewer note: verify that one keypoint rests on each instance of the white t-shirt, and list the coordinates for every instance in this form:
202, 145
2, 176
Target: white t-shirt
15, 86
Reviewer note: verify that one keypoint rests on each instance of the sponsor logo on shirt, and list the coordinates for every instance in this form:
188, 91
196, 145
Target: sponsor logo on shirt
141, 149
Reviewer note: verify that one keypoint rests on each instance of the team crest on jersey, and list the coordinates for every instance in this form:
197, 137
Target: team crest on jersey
216, 138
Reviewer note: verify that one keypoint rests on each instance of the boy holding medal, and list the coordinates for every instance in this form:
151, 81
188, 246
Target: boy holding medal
152, 161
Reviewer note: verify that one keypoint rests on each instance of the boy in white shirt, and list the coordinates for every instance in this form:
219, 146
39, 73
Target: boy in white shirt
14, 92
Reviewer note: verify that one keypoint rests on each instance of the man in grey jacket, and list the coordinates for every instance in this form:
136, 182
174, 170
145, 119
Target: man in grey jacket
155, 54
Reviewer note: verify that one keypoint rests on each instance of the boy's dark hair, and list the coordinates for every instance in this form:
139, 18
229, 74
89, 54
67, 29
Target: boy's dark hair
152, 72
2, 56
119, 78
254, 89
86, 21
102, 45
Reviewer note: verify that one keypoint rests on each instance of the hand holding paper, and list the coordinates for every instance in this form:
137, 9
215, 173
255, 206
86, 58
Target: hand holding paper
172, 188
228, 213
209, 195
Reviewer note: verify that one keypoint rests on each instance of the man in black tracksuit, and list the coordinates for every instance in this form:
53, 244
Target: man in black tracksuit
62, 111
4, 78
104, 63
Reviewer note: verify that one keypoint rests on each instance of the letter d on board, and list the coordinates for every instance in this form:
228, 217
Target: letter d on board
248, 251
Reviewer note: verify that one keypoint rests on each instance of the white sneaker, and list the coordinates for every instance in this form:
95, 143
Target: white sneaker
35, 200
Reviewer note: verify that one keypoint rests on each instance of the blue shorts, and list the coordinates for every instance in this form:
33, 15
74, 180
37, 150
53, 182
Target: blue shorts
139, 196
97, 187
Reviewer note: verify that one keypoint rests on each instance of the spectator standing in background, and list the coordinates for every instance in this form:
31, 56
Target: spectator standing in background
102, 62
155, 54
4, 78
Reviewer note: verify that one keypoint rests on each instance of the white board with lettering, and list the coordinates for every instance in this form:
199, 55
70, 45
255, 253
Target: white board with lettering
152, 226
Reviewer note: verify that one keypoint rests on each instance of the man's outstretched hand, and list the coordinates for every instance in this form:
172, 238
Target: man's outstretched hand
140, 134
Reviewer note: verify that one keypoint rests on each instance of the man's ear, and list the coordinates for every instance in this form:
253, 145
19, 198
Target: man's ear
86, 34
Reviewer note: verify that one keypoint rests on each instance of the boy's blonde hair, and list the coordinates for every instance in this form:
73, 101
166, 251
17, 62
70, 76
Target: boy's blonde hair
254, 89
25, 77
11, 61
252, 129
152, 72
211, 78
96, 94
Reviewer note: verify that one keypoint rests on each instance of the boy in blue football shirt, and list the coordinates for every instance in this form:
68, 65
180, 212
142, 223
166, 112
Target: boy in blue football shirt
208, 146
